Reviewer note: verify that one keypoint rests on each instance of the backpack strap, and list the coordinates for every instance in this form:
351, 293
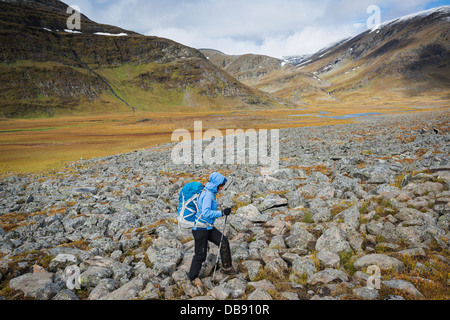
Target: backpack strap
199, 224
184, 205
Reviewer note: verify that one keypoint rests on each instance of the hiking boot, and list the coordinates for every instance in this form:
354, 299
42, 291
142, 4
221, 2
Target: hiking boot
229, 271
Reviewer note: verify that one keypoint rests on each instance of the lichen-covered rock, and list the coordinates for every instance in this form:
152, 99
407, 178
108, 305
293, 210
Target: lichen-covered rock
383, 261
41, 285
334, 240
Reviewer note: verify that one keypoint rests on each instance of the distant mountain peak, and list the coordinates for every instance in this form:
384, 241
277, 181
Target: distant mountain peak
404, 57
444, 10
442, 13
210, 50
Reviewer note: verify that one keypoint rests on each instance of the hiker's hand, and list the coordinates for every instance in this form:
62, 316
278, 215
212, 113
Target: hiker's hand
227, 212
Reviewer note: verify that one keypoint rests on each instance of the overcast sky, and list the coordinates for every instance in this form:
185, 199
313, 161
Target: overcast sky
272, 27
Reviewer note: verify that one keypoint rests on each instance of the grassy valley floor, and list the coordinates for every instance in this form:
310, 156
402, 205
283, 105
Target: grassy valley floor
36, 145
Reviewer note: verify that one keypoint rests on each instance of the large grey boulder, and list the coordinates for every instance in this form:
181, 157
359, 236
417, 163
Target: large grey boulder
328, 275
383, 261
41, 285
252, 213
300, 238
304, 266
128, 291
404, 286
329, 259
351, 217
334, 240
93, 275
66, 295
322, 215
236, 287
421, 189
366, 293
220, 292
104, 287
345, 187
273, 262
164, 260
260, 295
295, 199
378, 174
271, 201
253, 268
393, 234
119, 270
62, 261
123, 222
317, 177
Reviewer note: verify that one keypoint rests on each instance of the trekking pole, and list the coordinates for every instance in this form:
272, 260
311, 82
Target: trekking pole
220, 247
223, 234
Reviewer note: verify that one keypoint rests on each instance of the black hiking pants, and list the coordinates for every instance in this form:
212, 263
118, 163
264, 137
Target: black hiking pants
201, 238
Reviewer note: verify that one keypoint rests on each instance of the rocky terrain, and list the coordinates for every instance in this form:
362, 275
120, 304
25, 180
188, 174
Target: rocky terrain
345, 198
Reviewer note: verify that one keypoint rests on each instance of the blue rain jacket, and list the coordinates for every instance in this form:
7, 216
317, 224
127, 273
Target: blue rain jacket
207, 205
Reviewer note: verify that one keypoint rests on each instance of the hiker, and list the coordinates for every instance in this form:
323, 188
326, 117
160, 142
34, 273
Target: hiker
204, 230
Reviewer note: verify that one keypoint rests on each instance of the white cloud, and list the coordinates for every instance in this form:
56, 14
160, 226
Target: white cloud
272, 27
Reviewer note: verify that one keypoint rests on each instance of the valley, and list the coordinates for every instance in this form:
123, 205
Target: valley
42, 144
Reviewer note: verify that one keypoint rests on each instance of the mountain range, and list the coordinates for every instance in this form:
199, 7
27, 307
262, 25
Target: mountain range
49, 70
404, 59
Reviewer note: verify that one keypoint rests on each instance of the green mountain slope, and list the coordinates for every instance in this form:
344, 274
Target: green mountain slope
274, 76
406, 58
48, 70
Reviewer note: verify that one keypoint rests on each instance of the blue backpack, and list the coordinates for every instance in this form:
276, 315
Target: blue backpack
188, 205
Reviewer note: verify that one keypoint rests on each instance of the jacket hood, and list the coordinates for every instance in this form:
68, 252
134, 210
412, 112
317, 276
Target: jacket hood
215, 180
